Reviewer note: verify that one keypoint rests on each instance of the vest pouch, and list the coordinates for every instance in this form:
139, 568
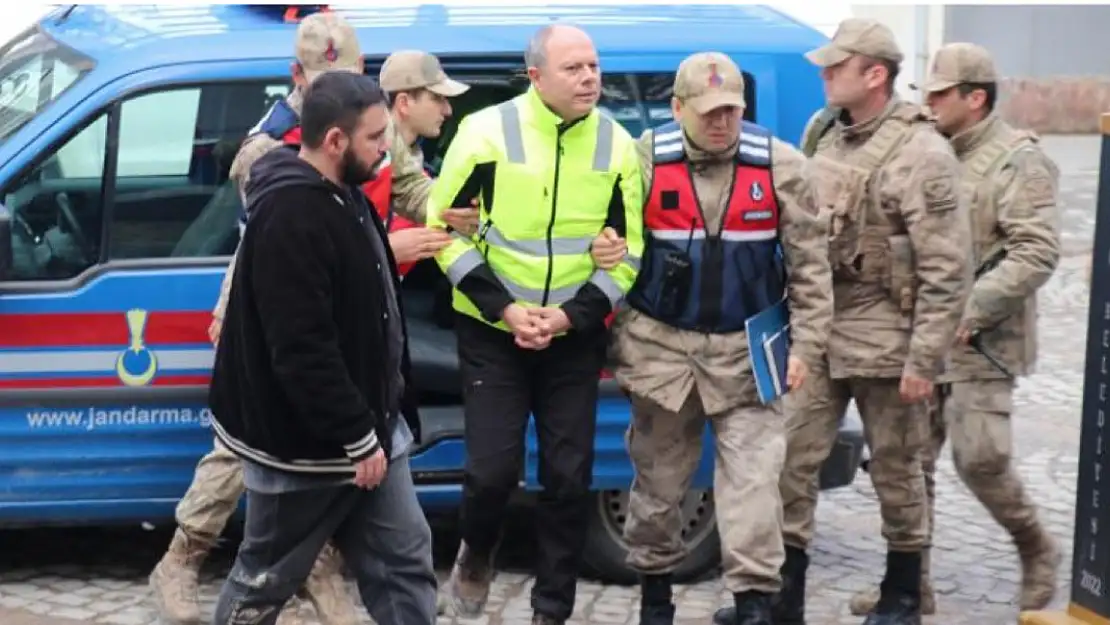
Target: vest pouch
677, 276
840, 191
903, 274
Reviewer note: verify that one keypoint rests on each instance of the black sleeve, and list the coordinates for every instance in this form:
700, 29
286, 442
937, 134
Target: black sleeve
481, 284
486, 291
292, 275
590, 306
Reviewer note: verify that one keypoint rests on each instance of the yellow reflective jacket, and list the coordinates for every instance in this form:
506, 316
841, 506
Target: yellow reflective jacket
546, 189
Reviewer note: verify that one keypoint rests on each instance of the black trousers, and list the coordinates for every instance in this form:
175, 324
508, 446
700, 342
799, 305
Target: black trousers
502, 385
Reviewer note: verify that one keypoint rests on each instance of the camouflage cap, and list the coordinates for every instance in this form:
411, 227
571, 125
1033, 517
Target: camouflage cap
857, 35
326, 42
957, 64
709, 80
414, 69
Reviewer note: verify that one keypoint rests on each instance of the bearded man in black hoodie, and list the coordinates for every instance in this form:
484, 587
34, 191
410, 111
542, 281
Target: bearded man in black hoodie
310, 385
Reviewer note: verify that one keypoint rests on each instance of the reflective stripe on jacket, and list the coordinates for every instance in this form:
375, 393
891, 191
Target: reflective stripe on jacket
546, 189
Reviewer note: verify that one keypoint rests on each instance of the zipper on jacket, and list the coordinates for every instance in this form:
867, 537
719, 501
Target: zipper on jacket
554, 203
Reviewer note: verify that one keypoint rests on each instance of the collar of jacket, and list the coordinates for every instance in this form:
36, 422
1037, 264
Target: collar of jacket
982, 132
862, 131
543, 118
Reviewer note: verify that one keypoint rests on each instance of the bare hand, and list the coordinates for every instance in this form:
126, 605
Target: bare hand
608, 249
369, 472
915, 389
552, 320
796, 372
464, 220
963, 336
214, 331
413, 244
525, 327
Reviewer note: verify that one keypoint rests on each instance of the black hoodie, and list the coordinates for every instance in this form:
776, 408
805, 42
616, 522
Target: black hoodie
299, 382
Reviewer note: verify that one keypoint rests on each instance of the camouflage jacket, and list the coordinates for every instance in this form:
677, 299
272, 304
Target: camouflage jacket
899, 244
1010, 185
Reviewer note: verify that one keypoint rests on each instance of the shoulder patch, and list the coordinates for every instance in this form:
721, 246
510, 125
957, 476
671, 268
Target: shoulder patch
1038, 189
940, 193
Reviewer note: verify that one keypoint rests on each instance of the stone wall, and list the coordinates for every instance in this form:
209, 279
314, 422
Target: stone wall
1064, 105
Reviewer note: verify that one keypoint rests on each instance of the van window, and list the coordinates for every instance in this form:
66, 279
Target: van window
164, 192
34, 70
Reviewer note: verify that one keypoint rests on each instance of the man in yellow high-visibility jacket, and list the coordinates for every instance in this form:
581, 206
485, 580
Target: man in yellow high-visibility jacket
550, 173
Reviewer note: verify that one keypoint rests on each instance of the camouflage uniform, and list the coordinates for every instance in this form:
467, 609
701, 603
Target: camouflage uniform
900, 249
679, 380
217, 485
1010, 186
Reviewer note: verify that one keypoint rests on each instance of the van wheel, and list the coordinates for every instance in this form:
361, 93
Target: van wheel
606, 550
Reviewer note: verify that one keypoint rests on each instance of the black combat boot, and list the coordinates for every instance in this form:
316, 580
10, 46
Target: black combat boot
753, 608
900, 592
788, 607
656, 606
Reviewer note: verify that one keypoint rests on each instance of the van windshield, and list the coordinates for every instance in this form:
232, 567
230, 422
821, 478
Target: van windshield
637, 101
34, 70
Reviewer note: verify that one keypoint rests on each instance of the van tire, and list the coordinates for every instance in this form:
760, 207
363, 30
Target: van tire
606, 551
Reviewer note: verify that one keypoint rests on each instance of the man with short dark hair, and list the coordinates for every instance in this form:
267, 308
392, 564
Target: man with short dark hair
311, 382
324, 42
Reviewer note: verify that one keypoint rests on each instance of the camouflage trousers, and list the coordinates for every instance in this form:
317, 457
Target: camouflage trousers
895, 433
666, 449
975, 417
211, 500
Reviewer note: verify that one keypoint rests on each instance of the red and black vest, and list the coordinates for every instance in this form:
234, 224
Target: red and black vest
282, 123
736, 273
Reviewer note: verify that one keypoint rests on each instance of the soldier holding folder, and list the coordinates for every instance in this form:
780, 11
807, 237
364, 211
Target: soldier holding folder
730, 231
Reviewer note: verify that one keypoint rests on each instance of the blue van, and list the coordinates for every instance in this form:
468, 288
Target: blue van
117, 129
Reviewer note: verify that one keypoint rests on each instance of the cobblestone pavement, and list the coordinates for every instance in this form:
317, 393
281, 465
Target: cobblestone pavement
98, 576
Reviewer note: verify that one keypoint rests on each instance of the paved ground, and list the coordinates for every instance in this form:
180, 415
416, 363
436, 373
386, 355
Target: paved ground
98, 576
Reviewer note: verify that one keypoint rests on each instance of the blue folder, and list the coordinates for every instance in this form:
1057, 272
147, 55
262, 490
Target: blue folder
769, 347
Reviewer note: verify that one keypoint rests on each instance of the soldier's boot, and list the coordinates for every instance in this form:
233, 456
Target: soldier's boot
173, 581
327, 590
899, 593
543, 619
753, 608
470, 581
656, 606
864, 601
1040, 559
788, 606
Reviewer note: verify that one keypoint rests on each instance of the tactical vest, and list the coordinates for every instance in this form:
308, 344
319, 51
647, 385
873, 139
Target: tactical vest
733, 274
978, 190
866, 243
819, 125
283, 124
